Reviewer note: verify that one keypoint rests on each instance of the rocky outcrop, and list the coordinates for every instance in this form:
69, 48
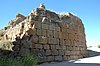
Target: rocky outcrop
51, 36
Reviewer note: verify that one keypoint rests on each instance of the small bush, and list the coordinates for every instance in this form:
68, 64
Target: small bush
29, 60
7, 61
98, 46
26, 60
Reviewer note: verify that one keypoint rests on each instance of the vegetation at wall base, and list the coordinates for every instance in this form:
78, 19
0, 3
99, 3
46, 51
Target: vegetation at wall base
26, 60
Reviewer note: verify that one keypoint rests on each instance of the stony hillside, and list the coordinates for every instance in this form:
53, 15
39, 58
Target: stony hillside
51, 36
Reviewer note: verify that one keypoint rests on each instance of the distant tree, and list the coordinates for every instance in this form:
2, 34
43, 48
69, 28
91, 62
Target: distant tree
98, 46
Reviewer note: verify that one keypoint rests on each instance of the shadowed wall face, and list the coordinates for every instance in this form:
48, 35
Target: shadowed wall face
51, 36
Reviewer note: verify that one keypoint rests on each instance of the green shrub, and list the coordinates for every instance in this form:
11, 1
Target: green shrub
29, 60
26, 60
7, 61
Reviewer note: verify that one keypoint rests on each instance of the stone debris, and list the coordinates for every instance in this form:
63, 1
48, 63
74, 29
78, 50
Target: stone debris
50, 37
42, 6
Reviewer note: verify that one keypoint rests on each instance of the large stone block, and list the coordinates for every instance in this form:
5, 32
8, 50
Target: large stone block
38, 32
71, 37
44, 32
46, 46
57, 28
56, 35
43, 39
38, 46
35, 51
58, 58
31, 31
67, 42
26, 44
69, 31
50, 33
16, 48
50, 58
45, 26
67, 52
73, 57
60, 34
63, 47
65, 57
38, 25
20, 15
58, 47
54, 52
24, 51
61, 52
34, 39
52, 27
48, 52
72, 52
52, 40
52, 47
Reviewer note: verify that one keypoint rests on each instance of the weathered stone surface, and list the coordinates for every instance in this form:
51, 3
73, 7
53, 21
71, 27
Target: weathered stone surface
24, 51
42, 6
67, 52
48, 52
50, 58
58, 58
58, 47
34, 39
51, 36
44, 33
49, 33
38, 32
52, 47
65, 57
20, 15
39, 46
61, 52
46, 46
42, 39
54, 52
52, 40
45, 26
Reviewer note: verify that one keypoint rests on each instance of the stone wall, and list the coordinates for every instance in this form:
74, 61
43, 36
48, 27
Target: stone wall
51, 36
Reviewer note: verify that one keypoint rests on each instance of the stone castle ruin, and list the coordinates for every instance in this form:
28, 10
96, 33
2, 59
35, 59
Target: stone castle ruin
51, 36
